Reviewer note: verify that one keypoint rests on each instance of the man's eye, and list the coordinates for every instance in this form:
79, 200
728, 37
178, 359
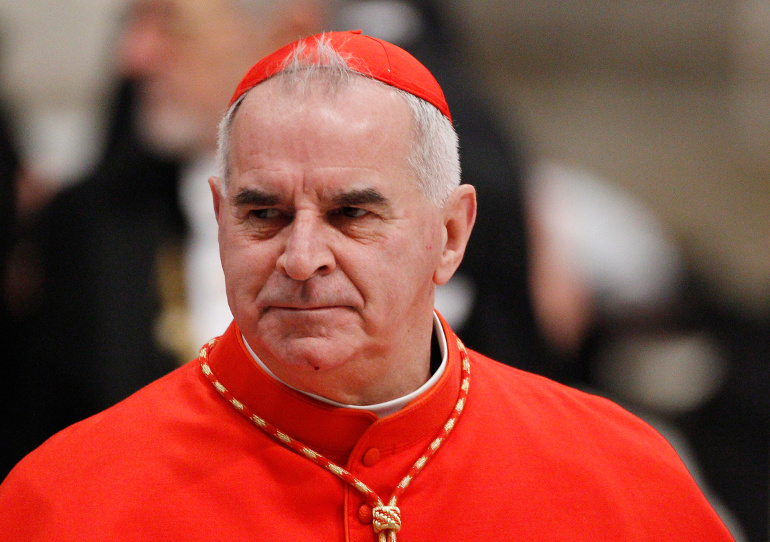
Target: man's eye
353, 212
265, 214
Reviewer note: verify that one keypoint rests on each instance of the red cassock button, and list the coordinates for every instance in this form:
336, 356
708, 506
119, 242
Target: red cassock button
365, 513
371, 457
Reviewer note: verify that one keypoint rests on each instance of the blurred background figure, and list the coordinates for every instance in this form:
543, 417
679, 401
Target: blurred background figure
18, 199
13, 413
613, 293
602, 265
9, 171
170, 51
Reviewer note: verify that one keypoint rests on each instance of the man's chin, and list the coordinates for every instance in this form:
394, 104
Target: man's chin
314, 340
313, 353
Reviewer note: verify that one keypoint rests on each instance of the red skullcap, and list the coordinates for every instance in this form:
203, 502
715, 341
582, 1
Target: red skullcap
366, 55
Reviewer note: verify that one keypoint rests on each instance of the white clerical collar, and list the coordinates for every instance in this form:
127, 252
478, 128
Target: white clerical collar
381, 409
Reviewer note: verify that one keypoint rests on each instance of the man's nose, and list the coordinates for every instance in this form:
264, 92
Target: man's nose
307, 252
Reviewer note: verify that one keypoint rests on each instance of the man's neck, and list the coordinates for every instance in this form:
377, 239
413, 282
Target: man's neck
437, 365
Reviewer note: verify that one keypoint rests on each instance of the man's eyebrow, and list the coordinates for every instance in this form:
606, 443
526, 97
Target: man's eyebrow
259, 198
365, 196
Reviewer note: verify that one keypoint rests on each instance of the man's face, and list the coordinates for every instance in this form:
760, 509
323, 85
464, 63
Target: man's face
185, 55
329, 248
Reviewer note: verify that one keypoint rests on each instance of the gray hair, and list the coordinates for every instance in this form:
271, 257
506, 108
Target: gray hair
434, 154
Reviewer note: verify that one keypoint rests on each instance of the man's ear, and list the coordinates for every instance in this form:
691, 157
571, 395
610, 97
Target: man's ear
214, 184
459, 216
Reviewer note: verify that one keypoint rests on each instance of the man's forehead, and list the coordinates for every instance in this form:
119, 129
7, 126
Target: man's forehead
282, 92
349, 131
324, 176
286, 179
352, 140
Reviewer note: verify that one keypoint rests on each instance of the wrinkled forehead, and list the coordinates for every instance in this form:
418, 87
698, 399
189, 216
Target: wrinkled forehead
354, 126
284, 93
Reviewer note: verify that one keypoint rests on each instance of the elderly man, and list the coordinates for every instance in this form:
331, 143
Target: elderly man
338, 405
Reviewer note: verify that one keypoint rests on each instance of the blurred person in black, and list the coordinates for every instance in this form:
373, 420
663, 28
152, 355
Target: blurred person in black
9, 166
730, 432
10, 391
648, 332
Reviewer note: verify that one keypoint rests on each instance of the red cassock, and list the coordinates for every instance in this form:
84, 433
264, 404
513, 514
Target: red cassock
528, 460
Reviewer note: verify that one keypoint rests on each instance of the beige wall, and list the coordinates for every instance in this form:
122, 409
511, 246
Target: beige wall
669, 99
54, 71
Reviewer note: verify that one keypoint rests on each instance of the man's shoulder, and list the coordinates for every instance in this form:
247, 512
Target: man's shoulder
106, 436
96, 471
567, 429
523, 399
569, 450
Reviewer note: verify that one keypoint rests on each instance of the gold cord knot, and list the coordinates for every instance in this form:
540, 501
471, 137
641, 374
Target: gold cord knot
386, 518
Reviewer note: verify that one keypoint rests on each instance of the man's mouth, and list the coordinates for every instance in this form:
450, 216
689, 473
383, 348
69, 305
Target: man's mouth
307, 308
